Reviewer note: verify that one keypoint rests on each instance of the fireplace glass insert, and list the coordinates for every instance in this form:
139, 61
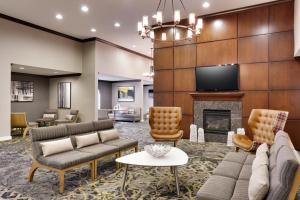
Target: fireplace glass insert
216, 121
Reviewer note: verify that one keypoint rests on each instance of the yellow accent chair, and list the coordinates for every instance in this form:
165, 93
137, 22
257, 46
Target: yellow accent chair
262, 124
19, 121
165, 124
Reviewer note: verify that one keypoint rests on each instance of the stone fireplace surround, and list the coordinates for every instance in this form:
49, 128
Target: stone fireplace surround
218, 101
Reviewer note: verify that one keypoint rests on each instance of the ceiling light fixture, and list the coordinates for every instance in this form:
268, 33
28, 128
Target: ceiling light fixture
205, 4
133, 46
93, 30
22, 68
117, 24
59, 16
194, 26
84, 8
55, 72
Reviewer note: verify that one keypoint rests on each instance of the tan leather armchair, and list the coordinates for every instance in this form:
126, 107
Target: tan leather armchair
165, 123
19, 121
263, 125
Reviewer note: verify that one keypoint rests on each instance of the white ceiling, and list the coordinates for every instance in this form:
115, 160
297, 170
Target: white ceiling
104, 13
37, 70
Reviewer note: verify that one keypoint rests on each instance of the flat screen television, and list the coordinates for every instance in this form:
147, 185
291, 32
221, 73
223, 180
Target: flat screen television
217, 78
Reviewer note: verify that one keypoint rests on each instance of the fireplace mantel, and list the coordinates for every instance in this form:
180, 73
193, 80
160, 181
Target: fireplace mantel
217, 96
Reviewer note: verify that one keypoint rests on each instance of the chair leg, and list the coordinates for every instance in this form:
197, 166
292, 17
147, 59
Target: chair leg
118, 165
26, 130
61, 181
95, 168
237, 149
92, 166
32, 170
136, 149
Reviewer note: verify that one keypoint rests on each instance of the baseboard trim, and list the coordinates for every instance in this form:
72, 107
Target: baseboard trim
5, 138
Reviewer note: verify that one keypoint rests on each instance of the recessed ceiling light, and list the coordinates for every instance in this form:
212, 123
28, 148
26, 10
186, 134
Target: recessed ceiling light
55, 72
133, 46
93, 30
59, 16
84, 8
117, 24
21, 68
205, 4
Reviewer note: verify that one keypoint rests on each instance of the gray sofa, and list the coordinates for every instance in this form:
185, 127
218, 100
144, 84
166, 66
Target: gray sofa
65, 161
230, 180
126, 115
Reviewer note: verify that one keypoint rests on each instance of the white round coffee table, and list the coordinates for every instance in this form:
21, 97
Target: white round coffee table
176, 157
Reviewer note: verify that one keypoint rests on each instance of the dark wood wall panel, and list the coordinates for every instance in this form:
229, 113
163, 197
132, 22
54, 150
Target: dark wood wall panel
285, 75
286, 100
254, 76
163, 98
163, 58
252, 100
260, 40
253, 22
163, 81
219, 52
253, 49
187, 120
219, 28
185, 101
281, 46
281, 17
185, 56
188, 75
158, 43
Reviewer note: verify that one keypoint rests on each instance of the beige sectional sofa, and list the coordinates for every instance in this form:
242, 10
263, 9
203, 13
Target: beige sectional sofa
230, 180
68, 160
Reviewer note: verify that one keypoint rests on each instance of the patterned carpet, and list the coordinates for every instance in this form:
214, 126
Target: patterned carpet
142, 183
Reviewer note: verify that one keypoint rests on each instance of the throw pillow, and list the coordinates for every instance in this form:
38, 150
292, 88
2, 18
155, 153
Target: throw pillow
279, 122
260, 159
109, 135
263, 148
57, 146
86, 140
69, 117
259, 183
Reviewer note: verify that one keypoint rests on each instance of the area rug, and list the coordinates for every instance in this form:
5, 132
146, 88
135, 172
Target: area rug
142, 182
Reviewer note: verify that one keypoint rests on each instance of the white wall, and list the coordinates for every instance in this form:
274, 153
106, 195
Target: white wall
27, 46
297, 27
148, 101
83, 89
117, 62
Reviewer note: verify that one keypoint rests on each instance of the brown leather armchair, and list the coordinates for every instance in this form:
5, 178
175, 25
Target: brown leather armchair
263, 125
165, 123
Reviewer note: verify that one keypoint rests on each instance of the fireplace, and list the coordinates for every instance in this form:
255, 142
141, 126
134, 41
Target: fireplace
216, 121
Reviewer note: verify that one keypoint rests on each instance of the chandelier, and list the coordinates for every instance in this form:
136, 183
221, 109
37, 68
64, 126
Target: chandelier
147, 31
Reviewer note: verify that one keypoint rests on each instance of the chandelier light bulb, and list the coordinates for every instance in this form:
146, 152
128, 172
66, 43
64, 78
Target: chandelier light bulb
140, 27
159, 17
177, 16
152, 36
192, 19
177, 36
145, 21
190, 34
199, 23
164, 36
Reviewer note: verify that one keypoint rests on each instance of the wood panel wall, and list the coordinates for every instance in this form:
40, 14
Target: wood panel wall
260, 39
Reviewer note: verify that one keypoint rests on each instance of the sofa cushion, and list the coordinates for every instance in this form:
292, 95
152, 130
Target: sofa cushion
241, 190
213, 188
86, 140
122, 143
249, 159
107, 135
48, 133
57, 146
282, 175
259, 182
228, 169
281, 139
80, 128
103, 124
66, 159
99, 150
237, 157
245, 172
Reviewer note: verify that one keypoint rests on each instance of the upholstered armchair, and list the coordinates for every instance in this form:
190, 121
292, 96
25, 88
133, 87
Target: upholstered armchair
19, 121
165, 124
72, 117
263, 125
48, 118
